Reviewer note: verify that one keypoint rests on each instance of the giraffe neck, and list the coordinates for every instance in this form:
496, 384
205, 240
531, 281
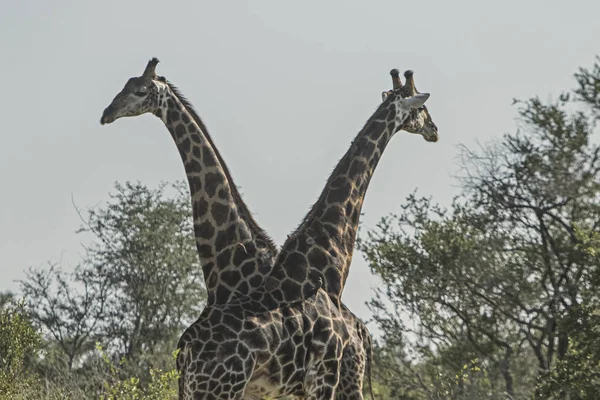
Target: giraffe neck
233, 250
323, 244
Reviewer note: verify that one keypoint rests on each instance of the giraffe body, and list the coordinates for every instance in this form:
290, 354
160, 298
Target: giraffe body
265, 349
356, 360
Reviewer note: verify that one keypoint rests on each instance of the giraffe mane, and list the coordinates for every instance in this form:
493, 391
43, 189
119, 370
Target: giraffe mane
237, 197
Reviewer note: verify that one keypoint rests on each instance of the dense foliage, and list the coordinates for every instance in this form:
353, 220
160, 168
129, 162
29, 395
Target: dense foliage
138, 285
497, 295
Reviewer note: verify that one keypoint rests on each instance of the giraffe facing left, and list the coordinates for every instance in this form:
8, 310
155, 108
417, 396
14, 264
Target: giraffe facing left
355, 356
235, 253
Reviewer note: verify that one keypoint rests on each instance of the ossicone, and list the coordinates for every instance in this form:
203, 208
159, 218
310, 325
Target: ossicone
410, 82
396, 82
150, 71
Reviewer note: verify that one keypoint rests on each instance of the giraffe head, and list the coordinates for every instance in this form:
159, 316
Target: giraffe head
139, 96
420, 121
408, 110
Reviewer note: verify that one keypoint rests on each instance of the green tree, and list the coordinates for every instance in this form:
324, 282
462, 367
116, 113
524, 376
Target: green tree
161, 385
19, 348
6, 298
18, 343
497, 277
138, 286
577, 376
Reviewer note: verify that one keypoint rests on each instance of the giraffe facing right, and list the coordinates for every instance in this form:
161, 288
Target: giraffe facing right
327, 233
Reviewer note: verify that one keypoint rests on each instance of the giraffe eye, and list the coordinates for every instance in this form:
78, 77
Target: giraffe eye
141, 92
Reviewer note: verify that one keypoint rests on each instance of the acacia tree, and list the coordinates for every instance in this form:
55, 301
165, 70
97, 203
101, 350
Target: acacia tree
496, 276
138, 286
146, 247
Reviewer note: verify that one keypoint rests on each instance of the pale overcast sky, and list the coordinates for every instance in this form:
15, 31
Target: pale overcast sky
283, 87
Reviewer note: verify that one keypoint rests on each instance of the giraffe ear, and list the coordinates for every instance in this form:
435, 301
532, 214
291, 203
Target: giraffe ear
384, 95
415, 101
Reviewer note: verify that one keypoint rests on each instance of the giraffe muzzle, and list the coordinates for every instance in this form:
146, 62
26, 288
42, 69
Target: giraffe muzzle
432, 137
107, 116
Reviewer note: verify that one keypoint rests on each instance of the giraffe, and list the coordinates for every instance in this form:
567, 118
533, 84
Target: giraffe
235, 253
287, 336
324, 240
358, 355
355, 357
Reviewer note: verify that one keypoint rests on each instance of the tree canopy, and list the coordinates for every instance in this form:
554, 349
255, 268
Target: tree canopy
137, 287
500, 286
